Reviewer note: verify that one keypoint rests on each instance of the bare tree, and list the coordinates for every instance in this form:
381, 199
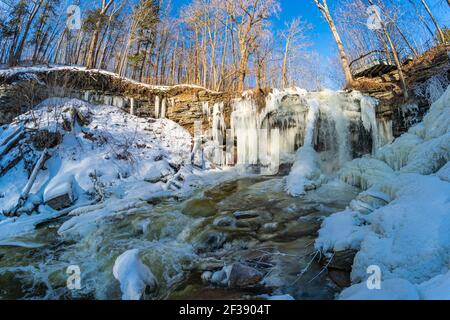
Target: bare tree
323, 7
249, 17
91, 61
295, 32
439, 30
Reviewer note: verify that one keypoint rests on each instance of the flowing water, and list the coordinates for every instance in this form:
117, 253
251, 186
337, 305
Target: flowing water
179, 239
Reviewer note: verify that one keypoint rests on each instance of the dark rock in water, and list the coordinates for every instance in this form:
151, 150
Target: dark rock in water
270, 227
241, 215
340, 277
343, 260
295, 230
200, 208
210, 241
224, 221
241, 276
251, 224
209, 264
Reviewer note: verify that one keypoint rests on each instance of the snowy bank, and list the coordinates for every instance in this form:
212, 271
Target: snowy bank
401, 223
97, 154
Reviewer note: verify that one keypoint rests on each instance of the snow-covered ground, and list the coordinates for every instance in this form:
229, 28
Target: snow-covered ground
9, 72
401, 222
113, 155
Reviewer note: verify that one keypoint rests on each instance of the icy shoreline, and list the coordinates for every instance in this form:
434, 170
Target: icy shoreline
401, 222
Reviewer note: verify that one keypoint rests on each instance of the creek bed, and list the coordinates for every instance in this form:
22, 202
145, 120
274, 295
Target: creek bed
252, 221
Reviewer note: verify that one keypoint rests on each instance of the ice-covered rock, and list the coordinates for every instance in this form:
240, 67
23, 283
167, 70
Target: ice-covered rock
365, 172
133, 275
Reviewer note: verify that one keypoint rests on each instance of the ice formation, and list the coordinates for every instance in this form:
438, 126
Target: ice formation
402, 226
133, 275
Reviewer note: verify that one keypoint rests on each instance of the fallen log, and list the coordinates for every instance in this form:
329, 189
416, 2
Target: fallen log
26, 191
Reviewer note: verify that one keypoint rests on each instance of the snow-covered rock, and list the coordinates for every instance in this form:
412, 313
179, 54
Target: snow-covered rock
59, 195
133, 275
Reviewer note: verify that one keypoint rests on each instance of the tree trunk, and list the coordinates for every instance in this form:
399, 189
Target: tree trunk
284, 67
323, 7
19, 50
439, 30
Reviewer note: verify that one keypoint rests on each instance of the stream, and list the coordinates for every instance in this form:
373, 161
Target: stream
250, 220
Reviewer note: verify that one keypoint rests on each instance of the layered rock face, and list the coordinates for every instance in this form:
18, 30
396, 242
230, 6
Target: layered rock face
23, 88
426, 77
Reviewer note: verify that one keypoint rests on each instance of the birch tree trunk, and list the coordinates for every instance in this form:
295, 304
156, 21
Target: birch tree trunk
323, 7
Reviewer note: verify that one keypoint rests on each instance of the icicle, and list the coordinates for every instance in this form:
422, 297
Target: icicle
311, 120
163, 108
218, 131
157, 106
369, 119
386, 134
205, 108
132, 111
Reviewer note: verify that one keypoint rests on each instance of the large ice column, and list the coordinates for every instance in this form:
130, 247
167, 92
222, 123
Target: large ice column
157, 106
245, 126
163, 108
381, 129
218, 132
369, 120
335, 128
305, 170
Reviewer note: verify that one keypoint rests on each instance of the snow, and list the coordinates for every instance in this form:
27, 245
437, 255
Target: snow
397, 153
429, 156
365, 172
115, 156
341, 231
305, 171
401, 222
133, 275
437, 288
444, 172
393, 289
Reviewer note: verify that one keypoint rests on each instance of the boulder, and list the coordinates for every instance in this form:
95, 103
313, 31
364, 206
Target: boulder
241, 276
343, 260
210, 241
224, 221
60, 196
200, 208
241, 215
